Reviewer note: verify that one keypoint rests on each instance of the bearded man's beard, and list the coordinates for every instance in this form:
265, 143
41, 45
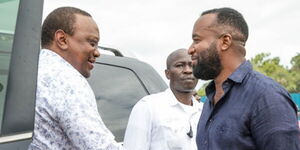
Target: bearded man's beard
209, 64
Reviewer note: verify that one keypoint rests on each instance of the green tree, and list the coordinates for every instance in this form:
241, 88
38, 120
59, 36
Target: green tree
295, 61
201, 91
295, 72
272, 68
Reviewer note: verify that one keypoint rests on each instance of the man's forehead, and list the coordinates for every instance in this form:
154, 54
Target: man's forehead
207, 19
181, 58
87, 24
205, 22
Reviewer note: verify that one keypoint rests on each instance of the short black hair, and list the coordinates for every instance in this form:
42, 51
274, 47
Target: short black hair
230, 17
61, 18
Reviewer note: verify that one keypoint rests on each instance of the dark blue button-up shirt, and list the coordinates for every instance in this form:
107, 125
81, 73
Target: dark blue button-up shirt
255, 112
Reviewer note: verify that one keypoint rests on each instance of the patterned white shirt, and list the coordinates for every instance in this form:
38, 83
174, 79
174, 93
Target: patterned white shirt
66, 115
160, 122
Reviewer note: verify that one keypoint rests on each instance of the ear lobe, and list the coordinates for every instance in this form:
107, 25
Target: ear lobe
60, 38
226, 41
167, 73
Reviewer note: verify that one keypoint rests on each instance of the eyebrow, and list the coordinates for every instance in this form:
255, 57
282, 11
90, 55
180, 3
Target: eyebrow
183, 62
95, 39
195, 35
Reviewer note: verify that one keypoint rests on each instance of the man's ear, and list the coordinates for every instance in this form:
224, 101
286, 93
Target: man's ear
60, 38
226, 41
167, 73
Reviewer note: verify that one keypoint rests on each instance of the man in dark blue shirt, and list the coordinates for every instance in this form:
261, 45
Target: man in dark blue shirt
245, 110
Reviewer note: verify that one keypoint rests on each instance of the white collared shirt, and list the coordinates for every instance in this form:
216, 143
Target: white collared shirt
160, 122
66, 114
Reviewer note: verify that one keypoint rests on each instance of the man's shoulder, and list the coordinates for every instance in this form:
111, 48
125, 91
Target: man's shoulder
53, 66
265, 91
56, 74
263, 83
154, 98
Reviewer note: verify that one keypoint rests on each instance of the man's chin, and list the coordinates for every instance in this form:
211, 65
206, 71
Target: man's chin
205, 72
202, 75
188, 88
86, 74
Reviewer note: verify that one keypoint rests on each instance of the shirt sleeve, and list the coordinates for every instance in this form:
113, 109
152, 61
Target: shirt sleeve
138, 131
274, 122
77, 114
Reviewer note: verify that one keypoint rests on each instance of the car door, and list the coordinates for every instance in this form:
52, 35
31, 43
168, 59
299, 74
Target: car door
118, 83
20, 28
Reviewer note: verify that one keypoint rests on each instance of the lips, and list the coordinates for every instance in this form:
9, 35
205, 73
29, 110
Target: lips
91, 65
188, 78
194, 57
91, 62
194, 60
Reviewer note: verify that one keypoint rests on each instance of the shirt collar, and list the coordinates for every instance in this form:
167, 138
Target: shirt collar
237, 76
52, 54
48, 51
56, 56
240, 73
173, 100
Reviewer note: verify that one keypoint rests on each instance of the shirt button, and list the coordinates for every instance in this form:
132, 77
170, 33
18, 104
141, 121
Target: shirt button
210, 120
205, 142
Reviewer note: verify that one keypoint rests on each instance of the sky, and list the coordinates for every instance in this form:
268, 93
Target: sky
150, 30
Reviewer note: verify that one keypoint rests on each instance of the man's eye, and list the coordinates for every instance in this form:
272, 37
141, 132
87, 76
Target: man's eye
196, 40
93, 44
179, 65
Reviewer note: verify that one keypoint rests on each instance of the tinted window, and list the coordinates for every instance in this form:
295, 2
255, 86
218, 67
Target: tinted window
117, 90
7, 29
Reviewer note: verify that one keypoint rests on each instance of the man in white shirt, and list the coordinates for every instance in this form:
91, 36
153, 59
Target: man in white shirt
66, 114
167, 120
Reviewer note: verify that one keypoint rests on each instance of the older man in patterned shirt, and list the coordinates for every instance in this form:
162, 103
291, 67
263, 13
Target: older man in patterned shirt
66, 112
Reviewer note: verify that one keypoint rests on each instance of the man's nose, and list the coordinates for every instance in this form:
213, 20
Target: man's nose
191, 50
188, 69
96, 53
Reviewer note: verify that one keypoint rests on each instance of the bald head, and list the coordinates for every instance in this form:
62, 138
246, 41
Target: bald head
174, 56
180, 72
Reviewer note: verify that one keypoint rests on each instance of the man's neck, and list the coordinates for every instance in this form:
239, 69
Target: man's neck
229, 68
183, 97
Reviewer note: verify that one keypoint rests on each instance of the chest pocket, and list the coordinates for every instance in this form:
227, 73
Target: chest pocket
174, 133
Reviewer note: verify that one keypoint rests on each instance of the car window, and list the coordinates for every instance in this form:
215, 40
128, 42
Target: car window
117, 89
7, 29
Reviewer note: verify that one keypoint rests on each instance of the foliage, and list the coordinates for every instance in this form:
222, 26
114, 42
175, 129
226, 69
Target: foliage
287, 77
201, 91
295, 71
